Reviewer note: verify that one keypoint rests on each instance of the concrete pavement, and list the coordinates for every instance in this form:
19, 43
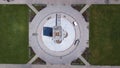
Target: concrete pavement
61, 2
51, 66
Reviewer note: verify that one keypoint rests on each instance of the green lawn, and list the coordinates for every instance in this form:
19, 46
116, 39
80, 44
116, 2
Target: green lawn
104, 34
13, 34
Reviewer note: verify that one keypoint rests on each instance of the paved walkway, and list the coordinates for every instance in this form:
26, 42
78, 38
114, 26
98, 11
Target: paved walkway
52, 66
61, 2
84, 61
85, 8
33, 59
114, 1
13, 2
33, 8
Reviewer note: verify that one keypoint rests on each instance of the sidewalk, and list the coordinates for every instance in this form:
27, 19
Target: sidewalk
52, 66
60, 2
